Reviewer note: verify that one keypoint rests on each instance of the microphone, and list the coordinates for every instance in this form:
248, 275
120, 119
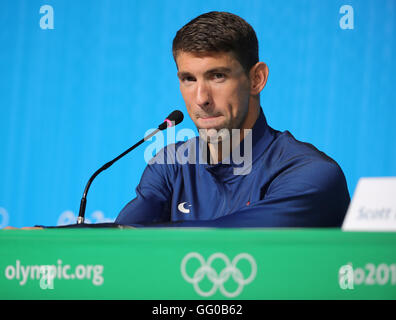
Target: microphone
173, 119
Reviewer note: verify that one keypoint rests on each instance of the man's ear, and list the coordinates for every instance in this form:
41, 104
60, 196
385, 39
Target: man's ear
258, 77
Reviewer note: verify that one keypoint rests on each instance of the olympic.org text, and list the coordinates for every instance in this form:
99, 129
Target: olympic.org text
47, 274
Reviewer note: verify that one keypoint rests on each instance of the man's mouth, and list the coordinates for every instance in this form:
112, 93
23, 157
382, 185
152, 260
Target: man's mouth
212, 121
209, 117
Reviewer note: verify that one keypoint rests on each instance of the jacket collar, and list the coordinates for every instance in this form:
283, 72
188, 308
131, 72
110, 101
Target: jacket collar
261, 138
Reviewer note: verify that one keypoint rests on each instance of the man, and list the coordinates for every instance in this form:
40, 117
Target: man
287, 183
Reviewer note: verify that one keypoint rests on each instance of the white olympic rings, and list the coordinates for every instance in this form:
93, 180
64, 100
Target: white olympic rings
218, 280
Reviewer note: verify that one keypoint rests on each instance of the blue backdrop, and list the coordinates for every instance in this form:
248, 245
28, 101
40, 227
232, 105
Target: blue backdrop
75, 96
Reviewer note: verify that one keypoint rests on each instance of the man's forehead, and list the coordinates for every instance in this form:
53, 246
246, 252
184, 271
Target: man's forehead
201, 62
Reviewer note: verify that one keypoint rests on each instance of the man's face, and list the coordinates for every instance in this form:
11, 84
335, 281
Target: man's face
215, 89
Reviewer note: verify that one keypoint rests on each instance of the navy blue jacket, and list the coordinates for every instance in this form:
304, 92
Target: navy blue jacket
291, 184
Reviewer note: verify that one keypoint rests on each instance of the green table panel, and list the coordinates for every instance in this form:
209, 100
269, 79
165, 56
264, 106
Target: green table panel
218, 264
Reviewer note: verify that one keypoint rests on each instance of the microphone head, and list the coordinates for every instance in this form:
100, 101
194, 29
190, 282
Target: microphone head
173, 119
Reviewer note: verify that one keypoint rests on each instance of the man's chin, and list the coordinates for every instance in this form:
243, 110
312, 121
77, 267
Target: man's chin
214, 135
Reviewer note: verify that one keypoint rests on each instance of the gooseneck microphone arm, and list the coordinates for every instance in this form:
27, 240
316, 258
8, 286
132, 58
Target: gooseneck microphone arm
83, 202
173, 119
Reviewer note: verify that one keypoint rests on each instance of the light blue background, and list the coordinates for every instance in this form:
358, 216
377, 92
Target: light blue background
75, 97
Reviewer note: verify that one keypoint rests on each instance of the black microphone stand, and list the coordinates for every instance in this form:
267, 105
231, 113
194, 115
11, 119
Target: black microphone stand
83, 203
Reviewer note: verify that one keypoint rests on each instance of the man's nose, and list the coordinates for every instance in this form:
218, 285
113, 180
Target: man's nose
203, 95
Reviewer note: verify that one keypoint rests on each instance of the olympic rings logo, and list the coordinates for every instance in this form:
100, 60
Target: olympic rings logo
218, 280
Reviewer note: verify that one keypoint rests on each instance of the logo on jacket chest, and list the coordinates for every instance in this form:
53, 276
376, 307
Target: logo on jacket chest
183, 207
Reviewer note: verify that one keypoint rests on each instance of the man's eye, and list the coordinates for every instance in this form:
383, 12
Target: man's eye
187, 79
218, 76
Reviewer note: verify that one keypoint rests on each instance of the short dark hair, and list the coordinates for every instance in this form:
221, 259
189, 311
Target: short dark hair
219, 32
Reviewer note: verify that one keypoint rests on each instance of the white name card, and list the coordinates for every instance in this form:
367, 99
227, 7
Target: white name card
373, 206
